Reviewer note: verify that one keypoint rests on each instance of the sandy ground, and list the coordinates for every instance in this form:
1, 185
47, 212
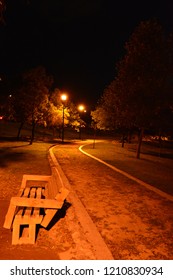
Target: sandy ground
135, 223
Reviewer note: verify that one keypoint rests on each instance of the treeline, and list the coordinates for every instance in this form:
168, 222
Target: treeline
140, 97
35, 102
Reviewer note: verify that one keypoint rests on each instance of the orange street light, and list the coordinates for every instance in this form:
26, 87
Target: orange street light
63, 99
81, 108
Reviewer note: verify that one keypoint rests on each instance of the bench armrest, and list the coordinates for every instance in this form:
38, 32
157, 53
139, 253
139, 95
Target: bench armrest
63, 193
36, 178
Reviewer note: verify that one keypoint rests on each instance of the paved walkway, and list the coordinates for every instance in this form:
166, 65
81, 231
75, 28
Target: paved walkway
86, 235
135, 222
142, 183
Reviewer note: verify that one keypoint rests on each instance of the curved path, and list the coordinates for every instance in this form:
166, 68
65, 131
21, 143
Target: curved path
148, 186
135, 222
92, 243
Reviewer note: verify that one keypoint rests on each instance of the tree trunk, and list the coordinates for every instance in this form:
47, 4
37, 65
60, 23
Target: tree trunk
123, 140
129, 136
54, 131
33, 132
94, 138
59, 132
139, 143
19, 130
160, 143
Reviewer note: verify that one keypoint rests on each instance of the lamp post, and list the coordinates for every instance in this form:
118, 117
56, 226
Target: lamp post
63, 99
81, 109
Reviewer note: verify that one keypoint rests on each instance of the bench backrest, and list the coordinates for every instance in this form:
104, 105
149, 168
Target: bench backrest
55, 190
55, 184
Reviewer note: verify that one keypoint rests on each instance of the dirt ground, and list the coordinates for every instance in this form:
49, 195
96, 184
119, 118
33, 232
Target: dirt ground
135, 223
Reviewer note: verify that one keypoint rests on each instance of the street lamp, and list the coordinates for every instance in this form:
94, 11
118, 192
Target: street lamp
63, 99
81, 109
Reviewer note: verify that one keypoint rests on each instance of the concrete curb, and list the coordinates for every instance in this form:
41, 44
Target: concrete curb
99, 248
148, 186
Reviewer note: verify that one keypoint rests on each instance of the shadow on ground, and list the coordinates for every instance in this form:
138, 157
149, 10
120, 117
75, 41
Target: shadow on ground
7, 155
59, 215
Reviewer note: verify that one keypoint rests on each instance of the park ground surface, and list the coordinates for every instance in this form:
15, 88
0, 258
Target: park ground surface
134, 222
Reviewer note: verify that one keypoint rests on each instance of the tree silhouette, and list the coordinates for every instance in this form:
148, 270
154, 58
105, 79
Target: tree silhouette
142, 88
32, 98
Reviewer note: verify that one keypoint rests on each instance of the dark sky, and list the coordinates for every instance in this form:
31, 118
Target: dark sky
78, 41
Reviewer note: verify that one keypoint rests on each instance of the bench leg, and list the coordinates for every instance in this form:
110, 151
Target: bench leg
10, 216
23, 234
50, 213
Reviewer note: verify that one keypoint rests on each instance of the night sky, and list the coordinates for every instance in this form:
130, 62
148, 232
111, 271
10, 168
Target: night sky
77, 41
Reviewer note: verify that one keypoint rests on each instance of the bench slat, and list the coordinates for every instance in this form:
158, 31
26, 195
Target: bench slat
36, 202
28, 210
20, 210
36, 211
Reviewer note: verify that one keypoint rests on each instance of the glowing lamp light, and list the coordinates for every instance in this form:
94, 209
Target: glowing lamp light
63, 97
81, 108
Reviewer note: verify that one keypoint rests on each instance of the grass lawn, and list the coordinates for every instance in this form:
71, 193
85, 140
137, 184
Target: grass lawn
10, 130
150, 168
18, 158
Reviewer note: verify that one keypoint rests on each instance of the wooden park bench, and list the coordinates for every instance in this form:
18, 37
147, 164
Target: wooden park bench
37, 202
